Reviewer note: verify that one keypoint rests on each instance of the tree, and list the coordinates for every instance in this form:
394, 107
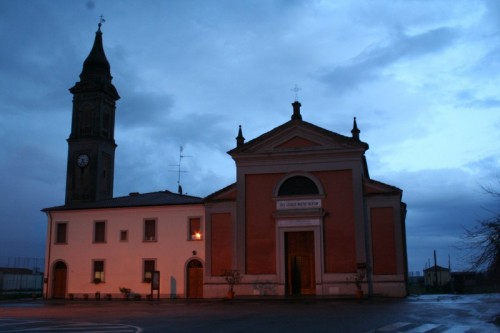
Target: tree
483, 240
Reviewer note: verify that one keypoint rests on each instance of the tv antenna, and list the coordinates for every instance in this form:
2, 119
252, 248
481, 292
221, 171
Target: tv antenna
179, 170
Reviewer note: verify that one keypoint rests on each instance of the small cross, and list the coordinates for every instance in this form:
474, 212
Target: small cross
296, 89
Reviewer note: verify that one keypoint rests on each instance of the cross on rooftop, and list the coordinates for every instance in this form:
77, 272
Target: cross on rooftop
296, 90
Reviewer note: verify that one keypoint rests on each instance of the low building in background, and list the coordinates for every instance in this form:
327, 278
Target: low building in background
437, 276
15, 281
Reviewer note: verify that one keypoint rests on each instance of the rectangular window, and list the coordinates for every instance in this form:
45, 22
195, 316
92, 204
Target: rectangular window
98, 269
149, 266
150, 230
195, 228
123, 235
61, 233
100, 232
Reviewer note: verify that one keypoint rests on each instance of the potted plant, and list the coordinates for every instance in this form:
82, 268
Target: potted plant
97, 280
232, 277
126, 292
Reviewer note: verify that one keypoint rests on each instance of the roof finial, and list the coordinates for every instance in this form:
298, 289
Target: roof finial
355, 131
296, 111
296, 90
101, 21
240, 140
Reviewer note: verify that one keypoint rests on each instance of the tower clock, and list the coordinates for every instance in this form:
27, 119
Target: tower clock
91, 144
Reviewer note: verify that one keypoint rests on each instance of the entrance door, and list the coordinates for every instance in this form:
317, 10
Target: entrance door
195, 279
59, 280
299, 249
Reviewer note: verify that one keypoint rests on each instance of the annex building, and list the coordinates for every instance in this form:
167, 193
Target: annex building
302, 218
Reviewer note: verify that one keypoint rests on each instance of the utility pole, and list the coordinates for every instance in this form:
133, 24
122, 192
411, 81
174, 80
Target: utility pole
435, 269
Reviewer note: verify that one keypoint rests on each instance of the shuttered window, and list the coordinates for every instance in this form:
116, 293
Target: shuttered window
149, 230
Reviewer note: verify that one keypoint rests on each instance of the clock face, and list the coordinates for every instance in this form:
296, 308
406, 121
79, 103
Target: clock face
82, 160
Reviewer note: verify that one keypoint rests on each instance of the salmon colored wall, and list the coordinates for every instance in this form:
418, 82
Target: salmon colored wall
383, 241
339, 223
123, 261
260, 224
221, 240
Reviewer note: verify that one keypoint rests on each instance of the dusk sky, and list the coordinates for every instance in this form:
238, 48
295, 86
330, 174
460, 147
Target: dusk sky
422, 78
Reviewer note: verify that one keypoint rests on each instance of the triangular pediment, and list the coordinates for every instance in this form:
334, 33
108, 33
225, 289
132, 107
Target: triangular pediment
297, 142
298, 136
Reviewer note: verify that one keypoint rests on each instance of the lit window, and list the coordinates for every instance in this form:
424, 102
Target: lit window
149, 230
98, 270
100, 232
148, 269
61, 233
123, 235
195, 228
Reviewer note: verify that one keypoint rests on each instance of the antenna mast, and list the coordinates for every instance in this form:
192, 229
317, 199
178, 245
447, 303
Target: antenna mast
179, 170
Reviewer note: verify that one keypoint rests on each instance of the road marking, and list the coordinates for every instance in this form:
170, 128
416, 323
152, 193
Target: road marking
392, 327
458, 329
423, 328
400, 327
14, 325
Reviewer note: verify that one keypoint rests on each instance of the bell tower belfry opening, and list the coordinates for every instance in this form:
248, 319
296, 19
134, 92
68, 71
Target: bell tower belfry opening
91, 144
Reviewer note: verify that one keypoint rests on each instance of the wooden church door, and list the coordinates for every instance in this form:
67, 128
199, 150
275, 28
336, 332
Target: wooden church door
299, 249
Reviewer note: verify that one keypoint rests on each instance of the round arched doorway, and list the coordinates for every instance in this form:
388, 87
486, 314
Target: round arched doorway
59, 280
194, 277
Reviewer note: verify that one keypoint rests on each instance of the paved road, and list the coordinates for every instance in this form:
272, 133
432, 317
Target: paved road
431, 314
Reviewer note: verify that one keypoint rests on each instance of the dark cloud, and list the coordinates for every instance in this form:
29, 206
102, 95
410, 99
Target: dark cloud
139, 109
368, 65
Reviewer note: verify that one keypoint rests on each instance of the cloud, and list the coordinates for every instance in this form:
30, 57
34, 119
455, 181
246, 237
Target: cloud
369, 65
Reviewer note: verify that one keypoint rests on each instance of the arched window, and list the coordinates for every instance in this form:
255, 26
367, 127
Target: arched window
298, 185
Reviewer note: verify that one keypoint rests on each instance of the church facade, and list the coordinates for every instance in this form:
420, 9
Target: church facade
302, 218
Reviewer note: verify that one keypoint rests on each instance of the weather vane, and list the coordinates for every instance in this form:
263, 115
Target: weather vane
296, 90
101, 20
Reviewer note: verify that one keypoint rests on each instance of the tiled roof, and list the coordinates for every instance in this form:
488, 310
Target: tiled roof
134, 199
221, 194
372, 187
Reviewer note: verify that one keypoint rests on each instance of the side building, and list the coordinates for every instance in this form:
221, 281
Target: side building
102, 246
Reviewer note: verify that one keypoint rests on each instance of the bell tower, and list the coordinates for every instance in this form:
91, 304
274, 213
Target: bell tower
91, 144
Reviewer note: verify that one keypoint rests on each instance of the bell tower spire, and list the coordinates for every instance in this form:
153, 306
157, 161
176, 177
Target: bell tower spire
91, 144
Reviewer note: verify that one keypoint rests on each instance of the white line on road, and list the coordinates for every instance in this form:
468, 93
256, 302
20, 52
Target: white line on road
392, 327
